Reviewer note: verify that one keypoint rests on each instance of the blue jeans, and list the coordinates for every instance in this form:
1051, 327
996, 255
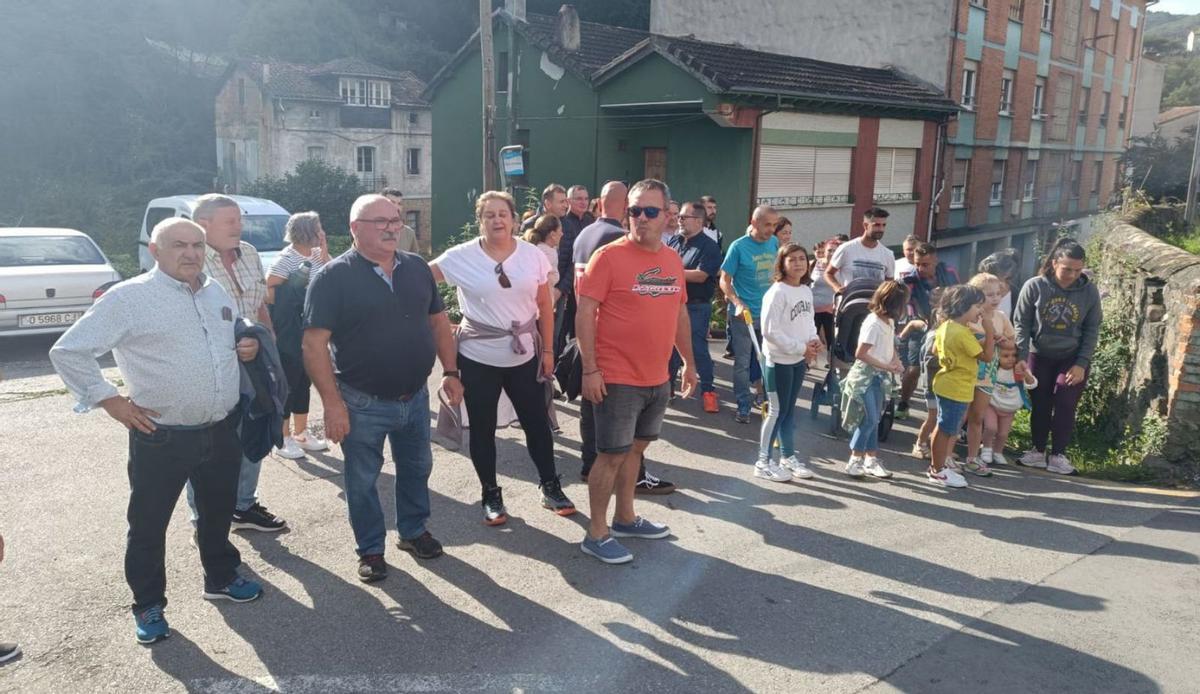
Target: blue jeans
700, 316
783, 382
866, 434
743, 358
247, 489
405, 425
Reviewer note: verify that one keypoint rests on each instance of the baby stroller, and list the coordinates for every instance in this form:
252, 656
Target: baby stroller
852, 309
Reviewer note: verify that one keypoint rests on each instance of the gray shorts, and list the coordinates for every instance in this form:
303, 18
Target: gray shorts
628, 413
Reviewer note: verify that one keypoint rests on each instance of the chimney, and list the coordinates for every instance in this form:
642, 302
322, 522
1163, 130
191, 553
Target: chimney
568, 28
515, 9
266, 77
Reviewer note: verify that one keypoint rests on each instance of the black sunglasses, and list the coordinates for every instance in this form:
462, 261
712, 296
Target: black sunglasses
504, 281
651, 212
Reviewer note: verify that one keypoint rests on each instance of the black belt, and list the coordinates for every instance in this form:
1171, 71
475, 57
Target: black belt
229, 418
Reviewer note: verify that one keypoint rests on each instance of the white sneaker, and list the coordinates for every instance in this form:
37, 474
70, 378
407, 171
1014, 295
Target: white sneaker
799, 469
1033, 458
986, 456
773, 472
1059, 465
952, 464
920, 450
854, 466
312, 442
874, 468
946, 478
290, 450
999, 459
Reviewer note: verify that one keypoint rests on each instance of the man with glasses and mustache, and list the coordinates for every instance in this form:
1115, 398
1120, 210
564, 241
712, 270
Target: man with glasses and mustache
632, 310
605, 230
373, 323
701, 265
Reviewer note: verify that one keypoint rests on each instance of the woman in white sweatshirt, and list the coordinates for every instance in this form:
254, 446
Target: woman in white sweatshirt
790, 344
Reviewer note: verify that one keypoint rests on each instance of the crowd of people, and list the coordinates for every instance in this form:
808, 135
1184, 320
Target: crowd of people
614, 295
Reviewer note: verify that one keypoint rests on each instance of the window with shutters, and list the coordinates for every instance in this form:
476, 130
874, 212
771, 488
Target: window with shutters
1006, 93
894, 169
958, 183
795, 176
1064, 89
997, 192
970, 70
1068, 27
1029, 179
1039, 98
1047, 15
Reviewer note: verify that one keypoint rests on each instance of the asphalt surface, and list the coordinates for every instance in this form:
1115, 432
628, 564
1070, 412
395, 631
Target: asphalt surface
1025, 582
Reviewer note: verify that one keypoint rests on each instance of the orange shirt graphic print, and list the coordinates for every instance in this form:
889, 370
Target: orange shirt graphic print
653, 283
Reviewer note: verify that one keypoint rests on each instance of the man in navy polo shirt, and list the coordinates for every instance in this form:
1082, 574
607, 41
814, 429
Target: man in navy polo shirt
701, 266
379, 310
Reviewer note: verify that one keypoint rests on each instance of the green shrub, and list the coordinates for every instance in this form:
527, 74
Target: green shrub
314, 185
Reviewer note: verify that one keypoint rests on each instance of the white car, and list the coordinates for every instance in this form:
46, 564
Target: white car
48, 278
263, 222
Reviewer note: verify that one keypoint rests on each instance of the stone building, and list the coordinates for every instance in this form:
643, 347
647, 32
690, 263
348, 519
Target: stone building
270, 116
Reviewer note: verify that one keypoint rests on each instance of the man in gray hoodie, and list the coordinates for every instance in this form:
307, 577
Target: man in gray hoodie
1058, 325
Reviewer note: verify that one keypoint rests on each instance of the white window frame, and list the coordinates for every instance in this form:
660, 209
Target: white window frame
803, 173
315, 152
412, 161
1039, 99
379, 94
958, 189
1006, 93
996, 195
970, 74
353, 91
1047, 15
1029, 187
359, 159
314, 114
982, 4
895, 171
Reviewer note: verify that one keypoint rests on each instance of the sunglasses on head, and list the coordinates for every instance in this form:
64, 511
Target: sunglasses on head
650, 212
504, 281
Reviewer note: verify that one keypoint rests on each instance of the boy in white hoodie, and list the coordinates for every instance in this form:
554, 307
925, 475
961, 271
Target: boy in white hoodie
790, 344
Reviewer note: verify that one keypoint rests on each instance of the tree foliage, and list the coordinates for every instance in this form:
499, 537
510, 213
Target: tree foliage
314, 185
1160, 168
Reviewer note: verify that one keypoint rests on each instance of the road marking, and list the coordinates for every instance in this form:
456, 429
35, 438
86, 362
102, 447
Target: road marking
394, 682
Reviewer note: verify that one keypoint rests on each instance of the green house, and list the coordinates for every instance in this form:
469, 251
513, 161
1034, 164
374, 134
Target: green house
590, 103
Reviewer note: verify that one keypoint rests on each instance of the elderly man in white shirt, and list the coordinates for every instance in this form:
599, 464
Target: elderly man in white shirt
171, 331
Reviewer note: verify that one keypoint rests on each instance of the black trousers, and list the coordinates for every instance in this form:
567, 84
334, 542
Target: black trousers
481, 391
566, 326
159, 465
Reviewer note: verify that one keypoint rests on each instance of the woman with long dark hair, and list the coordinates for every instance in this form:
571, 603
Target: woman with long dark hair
1058, 324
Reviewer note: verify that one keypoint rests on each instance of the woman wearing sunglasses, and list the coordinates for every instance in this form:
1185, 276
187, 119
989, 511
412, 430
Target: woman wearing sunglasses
505, 343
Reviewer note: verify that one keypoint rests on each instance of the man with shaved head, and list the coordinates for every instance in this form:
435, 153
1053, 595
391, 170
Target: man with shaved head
171, 331
745, 277
373, 322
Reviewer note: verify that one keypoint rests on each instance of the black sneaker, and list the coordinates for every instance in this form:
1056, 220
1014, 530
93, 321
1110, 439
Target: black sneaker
423, 546
741, 418
371, 568
493, 507
653, 486
8, 651
257, 517
554, 499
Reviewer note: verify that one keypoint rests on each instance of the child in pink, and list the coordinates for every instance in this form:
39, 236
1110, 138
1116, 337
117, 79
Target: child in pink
1011, 381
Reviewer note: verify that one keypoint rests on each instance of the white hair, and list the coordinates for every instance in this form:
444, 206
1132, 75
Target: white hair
162, 228
362, 201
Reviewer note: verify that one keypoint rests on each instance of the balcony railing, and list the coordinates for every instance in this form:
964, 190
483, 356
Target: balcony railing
895, 197
794, 201
372, 182
1015, 11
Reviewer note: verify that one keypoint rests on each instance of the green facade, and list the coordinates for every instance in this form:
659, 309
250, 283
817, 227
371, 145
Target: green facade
572, 139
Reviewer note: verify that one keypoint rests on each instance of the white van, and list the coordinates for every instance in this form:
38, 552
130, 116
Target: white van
263, 222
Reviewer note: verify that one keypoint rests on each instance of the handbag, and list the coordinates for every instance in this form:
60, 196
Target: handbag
452, 429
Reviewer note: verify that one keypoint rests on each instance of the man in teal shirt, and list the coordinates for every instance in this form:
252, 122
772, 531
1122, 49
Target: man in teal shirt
745, 277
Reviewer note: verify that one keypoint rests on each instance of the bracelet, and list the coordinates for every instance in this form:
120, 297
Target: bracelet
450, 374
547, 351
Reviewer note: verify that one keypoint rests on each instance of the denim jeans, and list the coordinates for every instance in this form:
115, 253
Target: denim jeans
159, 465
405, 425
783, 383
247, 489
866, 434
700, 315
743, 357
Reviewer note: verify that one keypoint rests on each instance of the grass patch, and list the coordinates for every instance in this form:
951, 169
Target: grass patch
1094, 454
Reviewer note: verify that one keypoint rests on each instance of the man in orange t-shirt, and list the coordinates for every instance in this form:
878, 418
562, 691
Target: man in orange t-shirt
632, 311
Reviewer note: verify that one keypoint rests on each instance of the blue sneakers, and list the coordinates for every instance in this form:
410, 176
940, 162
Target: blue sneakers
640, 527
151, 625
238, 590
606, 549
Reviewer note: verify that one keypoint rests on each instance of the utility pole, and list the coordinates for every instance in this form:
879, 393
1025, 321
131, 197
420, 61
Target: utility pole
487, 56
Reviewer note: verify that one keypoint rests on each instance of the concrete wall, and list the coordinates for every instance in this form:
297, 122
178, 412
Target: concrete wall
909, 34
1159, 286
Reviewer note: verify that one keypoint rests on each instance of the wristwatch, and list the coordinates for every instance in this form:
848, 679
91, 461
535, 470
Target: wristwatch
451, 374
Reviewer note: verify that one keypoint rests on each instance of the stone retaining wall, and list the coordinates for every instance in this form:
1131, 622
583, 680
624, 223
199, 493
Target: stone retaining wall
1160, 285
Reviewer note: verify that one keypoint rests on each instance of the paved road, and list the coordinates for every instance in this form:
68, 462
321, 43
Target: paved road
1025, 582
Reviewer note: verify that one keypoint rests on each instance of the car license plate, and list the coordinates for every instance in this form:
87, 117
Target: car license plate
42, 320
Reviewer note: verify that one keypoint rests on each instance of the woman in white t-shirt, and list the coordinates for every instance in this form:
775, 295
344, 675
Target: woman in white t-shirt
790, 344
505, 343
875, 358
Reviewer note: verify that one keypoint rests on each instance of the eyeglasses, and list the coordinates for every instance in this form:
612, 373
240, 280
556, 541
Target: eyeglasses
690, 216
382, 223
504, 281
650, 212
